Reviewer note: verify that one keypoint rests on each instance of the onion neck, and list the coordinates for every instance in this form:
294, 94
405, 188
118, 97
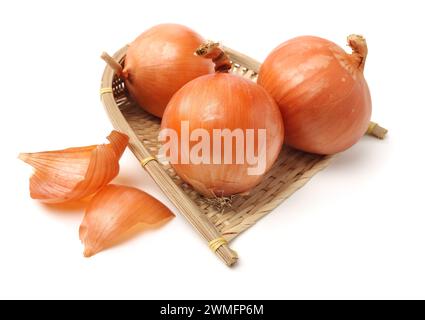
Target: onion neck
359, 47
212, 50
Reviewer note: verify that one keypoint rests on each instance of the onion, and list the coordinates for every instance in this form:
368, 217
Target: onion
215, 102
321, 91
159, 62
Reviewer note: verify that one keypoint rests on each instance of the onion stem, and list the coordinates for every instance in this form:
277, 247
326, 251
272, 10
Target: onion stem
212, 50
359, 47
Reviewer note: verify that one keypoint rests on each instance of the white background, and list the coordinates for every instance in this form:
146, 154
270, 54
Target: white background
357, 230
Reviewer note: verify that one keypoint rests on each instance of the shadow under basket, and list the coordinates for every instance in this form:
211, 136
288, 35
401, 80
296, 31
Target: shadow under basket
217, 224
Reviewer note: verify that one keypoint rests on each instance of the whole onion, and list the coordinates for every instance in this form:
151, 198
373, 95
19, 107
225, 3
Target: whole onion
223, 101
321, 91
159, 62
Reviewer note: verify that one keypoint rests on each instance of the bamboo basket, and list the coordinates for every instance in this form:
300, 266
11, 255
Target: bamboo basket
217, 225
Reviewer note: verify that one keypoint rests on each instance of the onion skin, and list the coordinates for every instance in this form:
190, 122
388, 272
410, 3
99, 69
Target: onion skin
159, 62
73, 174
321, 91
221, 101
113, 212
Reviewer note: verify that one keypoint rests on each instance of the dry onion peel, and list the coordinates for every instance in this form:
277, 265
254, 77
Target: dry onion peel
114, 211
75, 173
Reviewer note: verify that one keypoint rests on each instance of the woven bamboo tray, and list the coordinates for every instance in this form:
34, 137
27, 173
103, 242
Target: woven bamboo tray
291, 171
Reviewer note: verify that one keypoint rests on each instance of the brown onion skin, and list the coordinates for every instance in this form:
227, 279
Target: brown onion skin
159, 62
322, 94
220, 101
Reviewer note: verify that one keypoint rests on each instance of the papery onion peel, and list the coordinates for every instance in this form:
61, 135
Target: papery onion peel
75, 173
114, 211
